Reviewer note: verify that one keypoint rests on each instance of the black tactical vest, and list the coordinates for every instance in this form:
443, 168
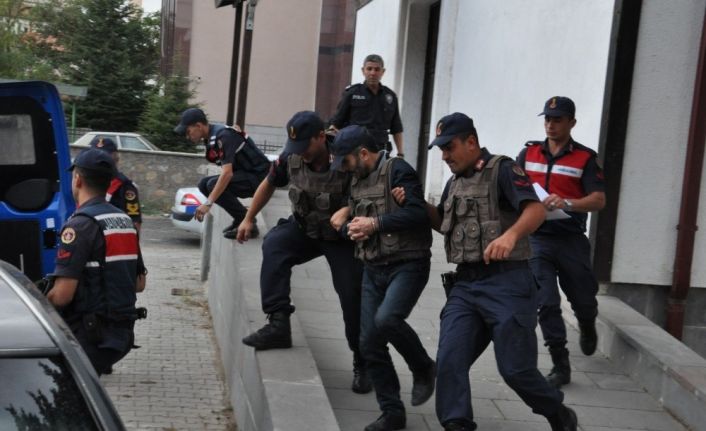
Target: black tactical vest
372, 197
248, 157
473, 217
107, 286
315, 197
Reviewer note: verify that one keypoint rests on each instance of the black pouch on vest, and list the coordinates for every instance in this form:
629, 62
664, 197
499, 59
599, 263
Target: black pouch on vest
92, 326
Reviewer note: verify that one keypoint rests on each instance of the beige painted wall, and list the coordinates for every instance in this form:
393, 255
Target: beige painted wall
211, 50
283, 60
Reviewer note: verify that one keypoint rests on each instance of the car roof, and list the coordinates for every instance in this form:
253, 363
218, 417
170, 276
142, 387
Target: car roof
20, 329
113, 133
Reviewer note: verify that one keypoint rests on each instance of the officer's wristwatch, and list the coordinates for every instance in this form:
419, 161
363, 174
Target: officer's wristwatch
208, 202
568, 205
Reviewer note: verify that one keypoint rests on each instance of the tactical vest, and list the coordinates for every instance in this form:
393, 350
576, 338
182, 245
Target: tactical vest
248, 157
473, 217
315, 196
372, 198
107, 286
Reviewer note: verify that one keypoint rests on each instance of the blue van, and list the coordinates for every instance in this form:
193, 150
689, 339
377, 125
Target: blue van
35, 185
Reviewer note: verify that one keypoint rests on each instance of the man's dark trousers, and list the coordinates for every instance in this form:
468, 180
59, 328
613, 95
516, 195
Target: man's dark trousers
390, 292
242, 185
568, 257
501, 308
287, 245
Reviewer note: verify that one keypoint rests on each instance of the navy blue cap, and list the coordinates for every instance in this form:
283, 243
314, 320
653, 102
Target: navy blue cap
104, 144
347, 140
96, 160
559, 106
189, 117
301, 128
451, 126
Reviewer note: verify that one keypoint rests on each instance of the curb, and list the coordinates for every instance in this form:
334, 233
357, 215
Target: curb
670, 371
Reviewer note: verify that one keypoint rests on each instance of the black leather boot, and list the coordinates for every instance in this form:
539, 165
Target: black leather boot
361, 380
589, 338
276, 334
423, 384
564, 420
561, 372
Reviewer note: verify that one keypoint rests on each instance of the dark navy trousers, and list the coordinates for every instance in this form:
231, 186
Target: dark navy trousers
568, 257
242, 185
389, 295
501, 308
287, 245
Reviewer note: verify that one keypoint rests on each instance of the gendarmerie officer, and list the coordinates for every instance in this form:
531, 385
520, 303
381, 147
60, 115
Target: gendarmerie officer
316, 194
98, 266
394, 242
569, 172
244, 166
372, 105
486, 212
122, 192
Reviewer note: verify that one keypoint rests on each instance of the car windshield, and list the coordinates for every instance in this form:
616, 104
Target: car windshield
132, 143
40, 394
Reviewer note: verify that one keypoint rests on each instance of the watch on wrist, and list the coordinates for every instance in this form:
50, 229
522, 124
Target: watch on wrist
569, 206
208, 202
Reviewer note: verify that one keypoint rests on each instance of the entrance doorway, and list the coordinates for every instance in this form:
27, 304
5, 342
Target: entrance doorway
428, 92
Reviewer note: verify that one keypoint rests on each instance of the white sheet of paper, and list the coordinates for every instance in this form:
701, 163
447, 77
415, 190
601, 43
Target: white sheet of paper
542, 194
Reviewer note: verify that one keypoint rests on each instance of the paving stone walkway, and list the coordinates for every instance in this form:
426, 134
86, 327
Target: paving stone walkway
172, 382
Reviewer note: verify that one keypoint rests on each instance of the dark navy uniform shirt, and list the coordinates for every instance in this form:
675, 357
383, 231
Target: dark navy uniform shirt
514, 186
377, 112
123, 195
228, 142
81, 241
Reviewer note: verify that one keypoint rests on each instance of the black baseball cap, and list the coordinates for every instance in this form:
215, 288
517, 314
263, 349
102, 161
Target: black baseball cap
451, 126
559, 106
347, 140
303, 126
104, 144
189, 117
95, 160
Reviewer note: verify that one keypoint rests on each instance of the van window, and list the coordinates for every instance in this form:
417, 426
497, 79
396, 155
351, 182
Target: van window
16, 140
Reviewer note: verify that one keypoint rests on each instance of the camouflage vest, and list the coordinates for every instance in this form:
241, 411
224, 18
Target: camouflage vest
372, 198
473, 218
315, 196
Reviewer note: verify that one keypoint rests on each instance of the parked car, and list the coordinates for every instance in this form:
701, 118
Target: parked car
47, 380
130, 141
186, 201
35, 185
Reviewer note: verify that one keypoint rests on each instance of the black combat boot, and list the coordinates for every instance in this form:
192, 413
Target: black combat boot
589, 338
276, 334
388, 422
561, 372
564, 420
361, 380
459, 426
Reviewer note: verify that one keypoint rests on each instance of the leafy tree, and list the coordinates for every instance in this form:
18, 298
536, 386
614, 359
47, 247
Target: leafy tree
106, 45
164, 107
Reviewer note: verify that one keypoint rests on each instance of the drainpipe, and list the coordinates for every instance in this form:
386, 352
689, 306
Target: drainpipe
691, 188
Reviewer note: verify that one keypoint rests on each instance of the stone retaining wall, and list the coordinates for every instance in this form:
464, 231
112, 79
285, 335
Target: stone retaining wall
159, 174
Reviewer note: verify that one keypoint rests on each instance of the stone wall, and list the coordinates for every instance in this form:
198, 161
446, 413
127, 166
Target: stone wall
159, 174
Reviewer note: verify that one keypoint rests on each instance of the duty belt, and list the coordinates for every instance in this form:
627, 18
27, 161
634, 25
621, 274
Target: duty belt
475, 271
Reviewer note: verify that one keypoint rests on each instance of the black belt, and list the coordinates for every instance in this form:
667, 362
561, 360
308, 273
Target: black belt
475, 271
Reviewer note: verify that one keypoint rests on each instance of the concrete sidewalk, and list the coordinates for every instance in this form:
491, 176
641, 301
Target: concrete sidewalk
604, 396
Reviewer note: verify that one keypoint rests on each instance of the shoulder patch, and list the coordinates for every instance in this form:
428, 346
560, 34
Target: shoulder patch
130, 195
389, 98
517, 170
68, 235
